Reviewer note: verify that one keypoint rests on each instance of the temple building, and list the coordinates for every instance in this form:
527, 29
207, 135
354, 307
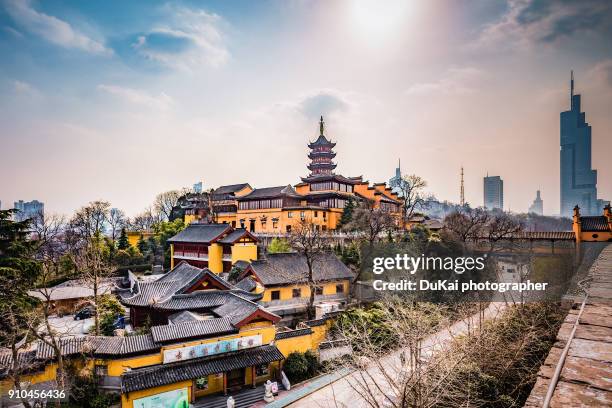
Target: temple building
213, 246
320, 197
593, 228
206, 338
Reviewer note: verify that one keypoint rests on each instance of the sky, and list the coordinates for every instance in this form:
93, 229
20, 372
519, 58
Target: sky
122, 100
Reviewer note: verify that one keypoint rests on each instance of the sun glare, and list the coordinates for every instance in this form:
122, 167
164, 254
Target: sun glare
378, 20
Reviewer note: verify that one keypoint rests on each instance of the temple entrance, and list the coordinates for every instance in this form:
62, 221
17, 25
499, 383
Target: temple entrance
235, 378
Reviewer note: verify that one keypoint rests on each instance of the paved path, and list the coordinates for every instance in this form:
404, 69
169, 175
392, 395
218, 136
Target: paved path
586, 376
340, 393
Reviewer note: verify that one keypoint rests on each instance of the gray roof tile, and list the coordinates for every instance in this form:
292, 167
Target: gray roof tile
159, 375
192, 329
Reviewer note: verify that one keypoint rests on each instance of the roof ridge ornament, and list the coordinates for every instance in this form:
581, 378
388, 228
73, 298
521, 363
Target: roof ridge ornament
321, 126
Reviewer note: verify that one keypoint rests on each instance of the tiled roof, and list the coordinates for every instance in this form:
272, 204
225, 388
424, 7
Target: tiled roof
24, 358
329, 177
292, 333
192, 329
269, 192
247, 284
321, 141
232, 188
595, 224
126, 345
184, 317
160, 375
201, 233
287, 268
179, 279
235, 235
68, 346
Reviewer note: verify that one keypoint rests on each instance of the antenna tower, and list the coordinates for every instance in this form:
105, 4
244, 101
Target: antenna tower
462, 198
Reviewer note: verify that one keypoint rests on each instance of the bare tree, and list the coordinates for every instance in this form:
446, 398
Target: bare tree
166, 201
89, 220
411, 193
309, 241
117, 221
369, 222
143, 221
86, 250
502, 226
408, 366
467, 224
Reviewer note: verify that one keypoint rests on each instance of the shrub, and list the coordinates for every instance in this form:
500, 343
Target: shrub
278, 246
301, 366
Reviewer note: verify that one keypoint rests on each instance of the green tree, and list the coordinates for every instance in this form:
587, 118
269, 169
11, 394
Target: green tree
347, 213
18, 273
110, 310
123, 243
278, 245
164, 231
142, 245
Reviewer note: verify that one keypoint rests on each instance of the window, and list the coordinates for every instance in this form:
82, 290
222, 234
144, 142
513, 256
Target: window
202, 383
290, 214
233, 224
297, 293
595, 236
262, 369
302, 214
319, 290
274, 224
101, 370
316, 214
339, 288
275, 295
288, 228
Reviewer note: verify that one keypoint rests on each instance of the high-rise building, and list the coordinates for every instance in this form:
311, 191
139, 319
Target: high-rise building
28, 209
493, 192
578, 179
197, 187
396, 181
537, 207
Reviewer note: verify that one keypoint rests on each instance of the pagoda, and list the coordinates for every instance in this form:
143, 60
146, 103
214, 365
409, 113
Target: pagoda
321, 154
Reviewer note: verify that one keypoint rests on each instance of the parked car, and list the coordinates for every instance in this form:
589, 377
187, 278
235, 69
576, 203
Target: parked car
84, 313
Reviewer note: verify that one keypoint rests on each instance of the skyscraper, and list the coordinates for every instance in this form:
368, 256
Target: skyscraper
578, 180
28, 209
395, 182
538, 205
493, 192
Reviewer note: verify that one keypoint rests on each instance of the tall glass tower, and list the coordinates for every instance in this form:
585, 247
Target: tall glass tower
578, 180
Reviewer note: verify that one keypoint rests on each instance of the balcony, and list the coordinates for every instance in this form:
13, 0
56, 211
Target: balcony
190, 255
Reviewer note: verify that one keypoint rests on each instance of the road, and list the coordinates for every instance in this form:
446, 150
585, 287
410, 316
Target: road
342, 394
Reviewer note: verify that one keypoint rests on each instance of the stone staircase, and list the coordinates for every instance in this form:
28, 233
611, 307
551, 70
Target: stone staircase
244, 398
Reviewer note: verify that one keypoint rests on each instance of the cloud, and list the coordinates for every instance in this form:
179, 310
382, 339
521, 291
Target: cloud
457, 81
529, 22
26, 89
601, 73
52, 29
13, 32
137, 97
192, 38
323, 102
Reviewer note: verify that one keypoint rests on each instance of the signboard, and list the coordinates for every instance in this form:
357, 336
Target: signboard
209, 349
170, 399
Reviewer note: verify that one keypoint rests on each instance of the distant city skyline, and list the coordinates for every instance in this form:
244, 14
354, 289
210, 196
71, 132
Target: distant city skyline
99, 107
